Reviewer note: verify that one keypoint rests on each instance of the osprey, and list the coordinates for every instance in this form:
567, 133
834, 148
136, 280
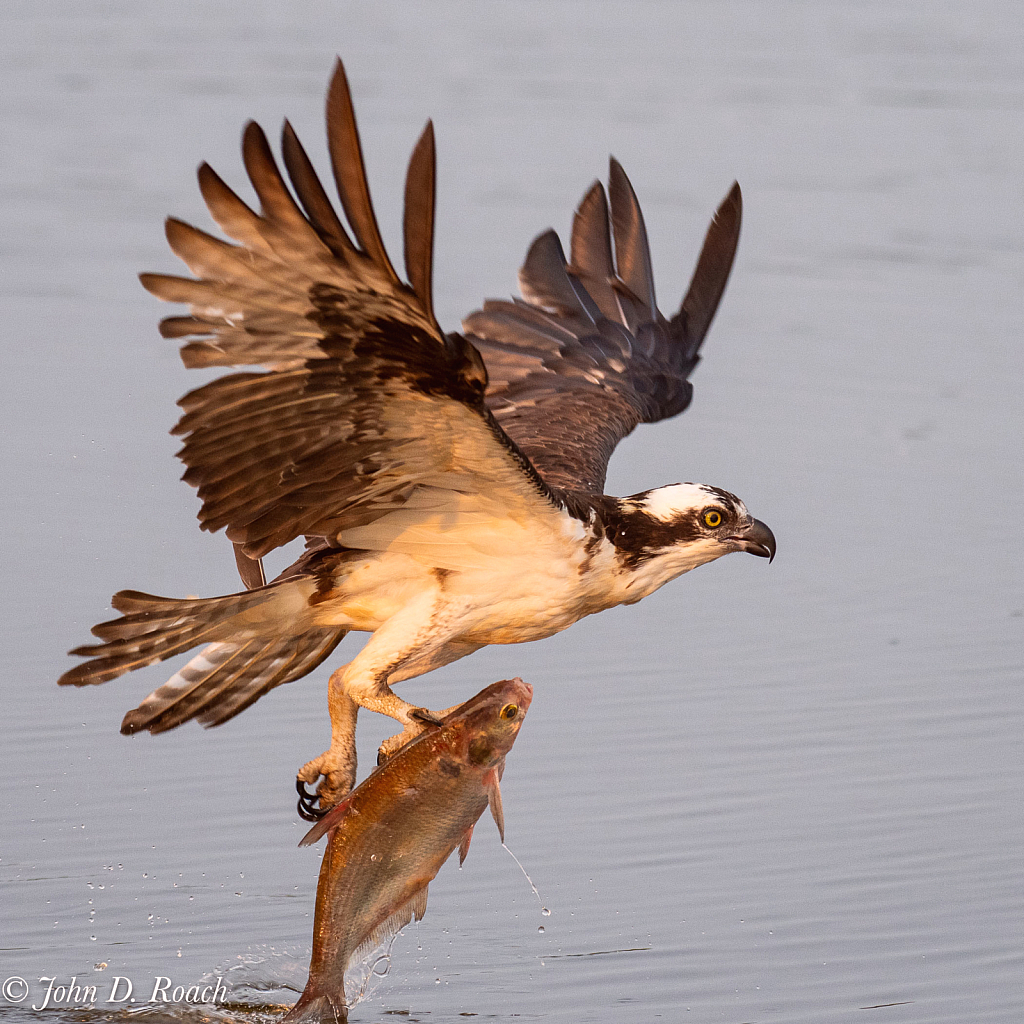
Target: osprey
449, 486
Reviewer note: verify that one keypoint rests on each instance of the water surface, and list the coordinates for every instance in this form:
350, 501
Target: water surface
786, 793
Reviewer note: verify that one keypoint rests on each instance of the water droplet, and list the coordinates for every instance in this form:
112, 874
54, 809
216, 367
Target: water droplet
145, 874
437, 981
179, 952
102, 966
545, 911
191, 897
541, 929
373, 856
150, 918
92, 938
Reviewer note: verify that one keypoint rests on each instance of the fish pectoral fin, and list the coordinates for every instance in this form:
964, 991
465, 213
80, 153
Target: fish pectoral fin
494, 801
332, 819
414, 907
464, 845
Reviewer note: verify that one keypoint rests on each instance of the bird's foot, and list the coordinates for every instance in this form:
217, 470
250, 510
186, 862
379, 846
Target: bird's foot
422, 719
393, 744
336, 779
425, 717
308, 806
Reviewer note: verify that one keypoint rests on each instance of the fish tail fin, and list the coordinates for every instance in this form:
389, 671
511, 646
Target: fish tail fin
316, 1007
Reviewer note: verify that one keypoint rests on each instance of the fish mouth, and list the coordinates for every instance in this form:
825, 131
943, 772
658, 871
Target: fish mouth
526, 693
755, 539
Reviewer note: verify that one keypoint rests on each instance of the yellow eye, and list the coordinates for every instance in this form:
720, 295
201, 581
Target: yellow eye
509, 711
712, 518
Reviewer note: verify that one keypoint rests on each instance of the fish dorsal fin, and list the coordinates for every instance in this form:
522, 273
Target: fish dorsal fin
464, 845
494, 801
414, 907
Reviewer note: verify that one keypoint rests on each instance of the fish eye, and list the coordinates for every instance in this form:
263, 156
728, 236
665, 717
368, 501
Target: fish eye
712, 517
509, 711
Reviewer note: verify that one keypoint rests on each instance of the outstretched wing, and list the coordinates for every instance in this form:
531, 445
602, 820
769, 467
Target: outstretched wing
585, 355
363, 402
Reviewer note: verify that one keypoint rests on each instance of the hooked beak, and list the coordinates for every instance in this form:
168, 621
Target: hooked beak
757, 539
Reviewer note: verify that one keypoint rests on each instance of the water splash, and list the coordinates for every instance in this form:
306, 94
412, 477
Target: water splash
263, 974
544, 910
267, 976
361, 979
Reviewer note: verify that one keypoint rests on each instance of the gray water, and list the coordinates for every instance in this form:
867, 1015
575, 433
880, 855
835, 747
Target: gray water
787, 793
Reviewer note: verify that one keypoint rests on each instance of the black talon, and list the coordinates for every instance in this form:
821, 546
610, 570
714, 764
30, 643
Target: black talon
425, 717
307, 805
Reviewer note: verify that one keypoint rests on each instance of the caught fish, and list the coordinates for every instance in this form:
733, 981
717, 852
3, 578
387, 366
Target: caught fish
390, 836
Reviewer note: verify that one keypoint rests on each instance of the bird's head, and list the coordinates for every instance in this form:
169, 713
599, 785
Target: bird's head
682, 526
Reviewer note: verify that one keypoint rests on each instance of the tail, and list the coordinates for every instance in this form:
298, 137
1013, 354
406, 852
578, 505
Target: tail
257, 644
316, 1008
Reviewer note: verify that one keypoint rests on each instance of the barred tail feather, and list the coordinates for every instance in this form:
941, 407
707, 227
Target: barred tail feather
154, 628
189, 689
255, 640
225, 678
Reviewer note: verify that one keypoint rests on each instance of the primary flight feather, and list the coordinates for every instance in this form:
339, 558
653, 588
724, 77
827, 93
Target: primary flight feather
449, 486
